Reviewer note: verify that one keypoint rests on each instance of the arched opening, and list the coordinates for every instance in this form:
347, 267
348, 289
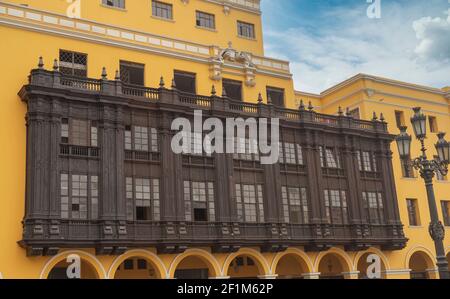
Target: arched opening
194, 267
368, 266
59, 271
137, 268
333, 266
420, 263
245, 267
291, 266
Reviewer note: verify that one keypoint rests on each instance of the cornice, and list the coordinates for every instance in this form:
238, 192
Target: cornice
252, 6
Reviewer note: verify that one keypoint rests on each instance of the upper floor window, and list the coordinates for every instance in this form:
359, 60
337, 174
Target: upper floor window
79, 132
162, 10
413, 212
367, 161
141, 139
295, 205
246, 149
250, 203
336, 206
276, 95
355, 113
246, 29
79, 196
132, 73
400, 118
433, 124
290, 153
205, 20
373, 204
446, 212
233, 89
142, 196
185, 81
73, 63
115, 3
329, 157
199, 201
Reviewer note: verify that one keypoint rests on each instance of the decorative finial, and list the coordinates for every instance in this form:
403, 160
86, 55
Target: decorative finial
224, 92
260, 98
382, 119
213, 90
347, 112
340, 112
375, 118
161, 82
302, 105
230, 45
310, 106
269, 99
117, 76
174, 84
41, 62
55, 65
104, 74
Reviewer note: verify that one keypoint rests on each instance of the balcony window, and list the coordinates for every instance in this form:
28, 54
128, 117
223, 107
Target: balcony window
413, 212
246, 149
329, 157
115, 3
290, 153
246, 30
132, 73
295, 205
199, 201
139, 139
79, 132
143, 199
73, 63
233, 89
446, 212
79, 197
367, 161
336, 206
206, 20
185, 81
250, 204
373, 205
276, 95
162, 10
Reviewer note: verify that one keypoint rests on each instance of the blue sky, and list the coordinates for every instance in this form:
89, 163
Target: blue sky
328, 41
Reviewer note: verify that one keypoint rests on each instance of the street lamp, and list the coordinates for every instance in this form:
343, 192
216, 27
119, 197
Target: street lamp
428, 169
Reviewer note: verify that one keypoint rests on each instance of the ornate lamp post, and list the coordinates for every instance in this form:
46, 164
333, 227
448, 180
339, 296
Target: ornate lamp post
428, 169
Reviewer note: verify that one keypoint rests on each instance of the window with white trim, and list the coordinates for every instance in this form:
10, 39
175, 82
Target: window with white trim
246, 149
295, 205
79, 132
250, 203
290, 153
199, 201
162, 10
329, 157
114, 3
206, 20
246, 29
143, 199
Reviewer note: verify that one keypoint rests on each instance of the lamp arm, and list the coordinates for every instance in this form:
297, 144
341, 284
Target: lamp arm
440, 166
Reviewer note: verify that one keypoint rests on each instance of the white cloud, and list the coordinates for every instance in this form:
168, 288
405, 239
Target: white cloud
390, 47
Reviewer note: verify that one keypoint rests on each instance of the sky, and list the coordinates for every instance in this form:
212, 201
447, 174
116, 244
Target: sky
329, 41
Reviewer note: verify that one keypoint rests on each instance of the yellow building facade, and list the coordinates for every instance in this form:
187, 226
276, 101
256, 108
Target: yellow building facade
189, 36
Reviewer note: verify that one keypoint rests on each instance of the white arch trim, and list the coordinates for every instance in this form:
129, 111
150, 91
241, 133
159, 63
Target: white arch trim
193, 251
296, 251
137, 253
414, 250
333, 250
239, 253
371, 250
79, 252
